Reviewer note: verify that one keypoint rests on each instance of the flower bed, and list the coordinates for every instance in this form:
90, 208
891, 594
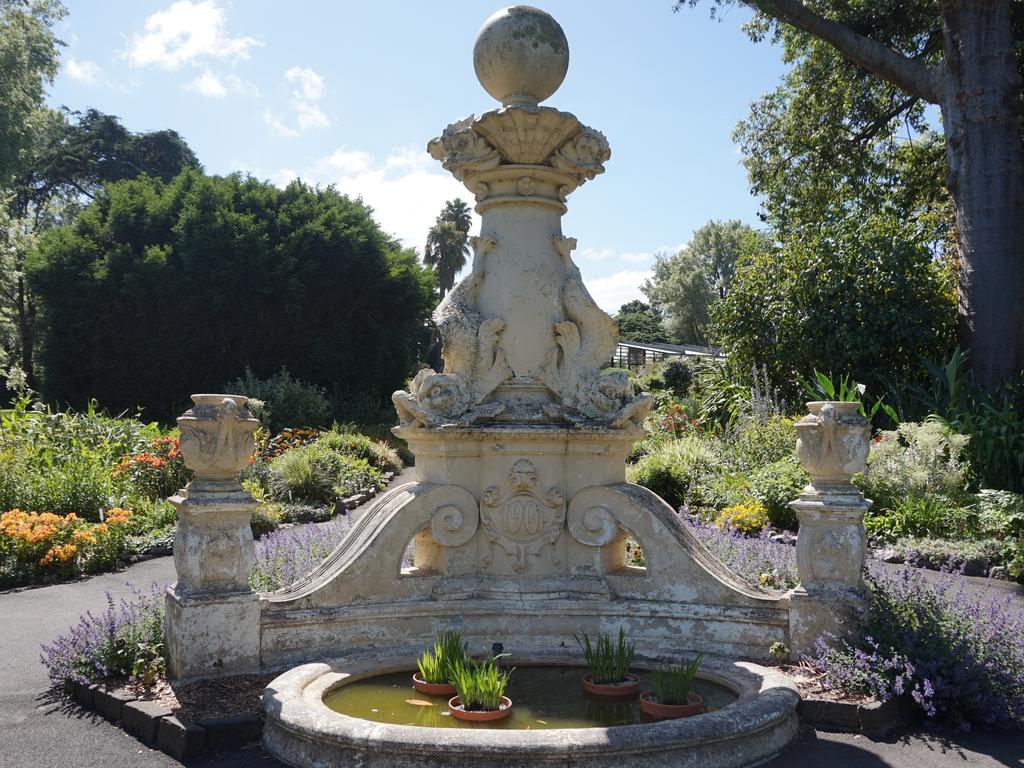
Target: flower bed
40, 546
960, 657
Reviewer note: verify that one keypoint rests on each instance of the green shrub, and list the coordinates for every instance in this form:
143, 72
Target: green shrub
321, 472
306, 513
775, 486
918, 459
756, 443
673, 468
994, 421
302, 474
354, 474
847, 298
378, 454
1001, 515
975, 557
265, 518
284, 401
919, 516
672, 376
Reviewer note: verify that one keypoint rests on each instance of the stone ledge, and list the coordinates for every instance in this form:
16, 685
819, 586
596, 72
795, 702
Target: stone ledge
874, 719
155, 725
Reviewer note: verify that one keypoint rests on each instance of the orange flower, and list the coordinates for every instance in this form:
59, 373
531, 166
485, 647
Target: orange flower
61, 553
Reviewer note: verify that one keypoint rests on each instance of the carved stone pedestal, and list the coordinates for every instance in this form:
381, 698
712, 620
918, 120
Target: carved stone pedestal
213, 617
212, 634
832, 443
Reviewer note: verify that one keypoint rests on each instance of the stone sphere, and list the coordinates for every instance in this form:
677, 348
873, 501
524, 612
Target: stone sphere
520, 55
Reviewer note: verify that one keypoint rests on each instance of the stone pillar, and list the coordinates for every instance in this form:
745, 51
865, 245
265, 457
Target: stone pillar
832, 443
213, 617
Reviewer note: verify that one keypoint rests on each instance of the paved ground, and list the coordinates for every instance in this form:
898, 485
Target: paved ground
38, 732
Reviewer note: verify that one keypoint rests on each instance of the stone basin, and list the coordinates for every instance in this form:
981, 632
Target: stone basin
301, 730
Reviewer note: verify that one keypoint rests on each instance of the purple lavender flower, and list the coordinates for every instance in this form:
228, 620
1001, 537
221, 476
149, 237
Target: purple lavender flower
286, 555
960, 657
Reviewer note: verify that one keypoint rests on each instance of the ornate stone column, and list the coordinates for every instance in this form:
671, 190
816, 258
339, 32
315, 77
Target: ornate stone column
832, 443
522, 417
212, 615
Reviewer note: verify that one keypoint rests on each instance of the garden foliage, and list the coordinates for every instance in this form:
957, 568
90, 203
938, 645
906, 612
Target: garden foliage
853, 300
126, 640
220, 275
958, 656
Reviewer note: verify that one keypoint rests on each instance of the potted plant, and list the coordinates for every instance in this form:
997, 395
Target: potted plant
608, 666
672, 696
436, 664
480, 690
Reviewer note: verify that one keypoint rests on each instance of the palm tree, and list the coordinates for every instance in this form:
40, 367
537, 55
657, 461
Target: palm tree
457, 211
448, 243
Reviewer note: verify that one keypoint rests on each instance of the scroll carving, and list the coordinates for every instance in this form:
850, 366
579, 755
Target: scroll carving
454, 522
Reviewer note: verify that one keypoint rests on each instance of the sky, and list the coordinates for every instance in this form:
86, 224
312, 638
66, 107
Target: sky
349, 93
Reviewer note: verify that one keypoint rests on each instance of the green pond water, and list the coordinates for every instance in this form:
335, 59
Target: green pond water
542, 697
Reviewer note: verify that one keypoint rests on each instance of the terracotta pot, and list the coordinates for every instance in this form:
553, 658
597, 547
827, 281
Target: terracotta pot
630, 687
431, 689
479, 716
649, 704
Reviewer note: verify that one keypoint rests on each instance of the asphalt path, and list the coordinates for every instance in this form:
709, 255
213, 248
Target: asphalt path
38, 730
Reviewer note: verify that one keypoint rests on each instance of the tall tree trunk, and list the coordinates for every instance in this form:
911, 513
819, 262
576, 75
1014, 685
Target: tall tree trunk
981, 110
26, 323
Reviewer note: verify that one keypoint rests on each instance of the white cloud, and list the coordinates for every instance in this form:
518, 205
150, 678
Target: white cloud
187, 33
631, 257
218, 86
407, 189
305, 104
84, 71
612, 291
278, 126
310, 85
208, 84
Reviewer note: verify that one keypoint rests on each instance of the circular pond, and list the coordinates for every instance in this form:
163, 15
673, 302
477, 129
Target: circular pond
751, 716
542, 698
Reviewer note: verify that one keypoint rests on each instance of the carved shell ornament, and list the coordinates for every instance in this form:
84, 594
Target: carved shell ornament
583, 156
461, 150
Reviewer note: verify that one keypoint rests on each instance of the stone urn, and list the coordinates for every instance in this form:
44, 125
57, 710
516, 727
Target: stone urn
217, 436
832, 442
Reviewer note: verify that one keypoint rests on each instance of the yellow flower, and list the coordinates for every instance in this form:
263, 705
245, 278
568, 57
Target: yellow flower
748, 517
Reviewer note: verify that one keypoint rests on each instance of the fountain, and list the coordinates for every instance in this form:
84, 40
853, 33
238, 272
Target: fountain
519, 515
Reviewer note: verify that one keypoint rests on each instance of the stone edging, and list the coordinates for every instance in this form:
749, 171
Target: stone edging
156, 726
874, 719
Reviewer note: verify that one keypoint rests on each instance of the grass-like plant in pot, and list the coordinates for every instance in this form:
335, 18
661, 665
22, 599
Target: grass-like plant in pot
608, 665
480, 689
436, 664
672, 695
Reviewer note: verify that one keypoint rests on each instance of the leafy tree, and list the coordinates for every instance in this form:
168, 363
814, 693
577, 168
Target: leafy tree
966, 57
62, 169
681, 290
158, 290
28, 62
858, 301
685, 286
640, 322
73, 158
448, 243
